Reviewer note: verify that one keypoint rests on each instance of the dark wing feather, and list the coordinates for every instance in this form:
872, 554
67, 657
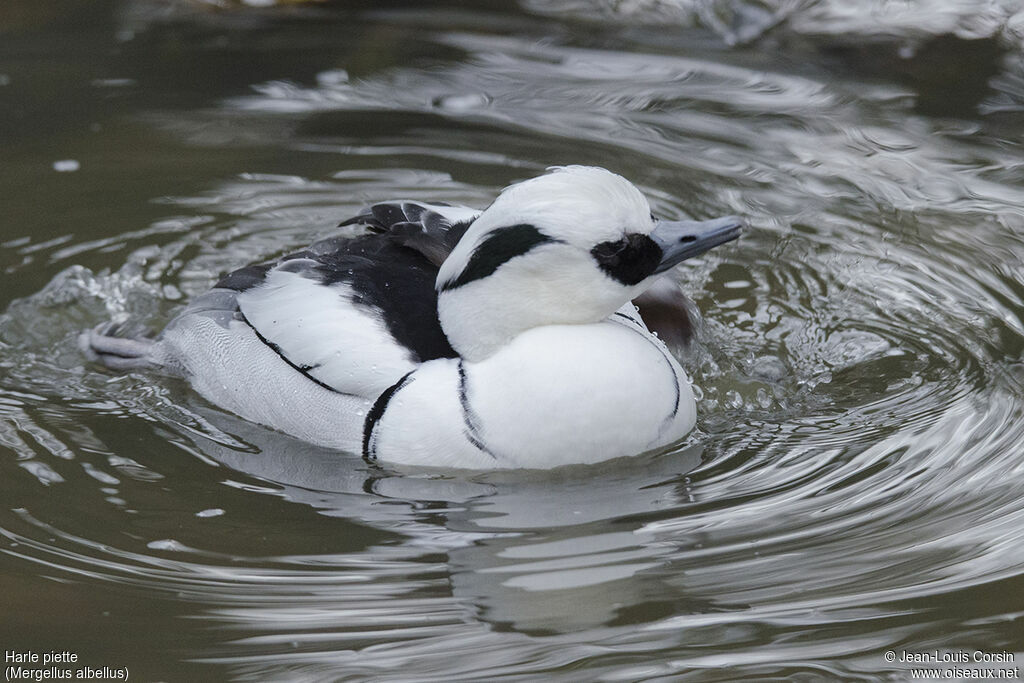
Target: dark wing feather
432, 229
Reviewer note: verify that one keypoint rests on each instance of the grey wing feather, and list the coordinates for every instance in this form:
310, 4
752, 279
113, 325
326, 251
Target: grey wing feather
432, 229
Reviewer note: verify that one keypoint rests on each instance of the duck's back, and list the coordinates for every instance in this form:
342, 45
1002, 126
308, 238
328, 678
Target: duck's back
353, 314
326, 329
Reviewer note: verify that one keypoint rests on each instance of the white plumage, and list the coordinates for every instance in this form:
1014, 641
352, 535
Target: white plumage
321, 328
452, 337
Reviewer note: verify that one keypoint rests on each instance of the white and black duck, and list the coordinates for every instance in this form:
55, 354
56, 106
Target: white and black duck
451, 337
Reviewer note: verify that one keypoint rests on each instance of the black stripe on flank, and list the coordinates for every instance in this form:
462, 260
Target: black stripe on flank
469, 418
302, 370
502, 245
376, 413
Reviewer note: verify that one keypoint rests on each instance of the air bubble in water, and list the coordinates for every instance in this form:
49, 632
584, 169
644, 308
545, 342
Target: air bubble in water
769, 368
763, 399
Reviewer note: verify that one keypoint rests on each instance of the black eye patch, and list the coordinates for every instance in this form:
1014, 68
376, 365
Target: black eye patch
628, 260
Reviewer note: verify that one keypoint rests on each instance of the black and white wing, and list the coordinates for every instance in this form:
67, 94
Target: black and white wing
432, 229
353, 314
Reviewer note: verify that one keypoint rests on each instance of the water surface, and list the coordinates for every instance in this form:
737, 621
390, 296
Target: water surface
853, 485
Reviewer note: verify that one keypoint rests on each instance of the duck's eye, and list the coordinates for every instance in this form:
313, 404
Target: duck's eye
628, 260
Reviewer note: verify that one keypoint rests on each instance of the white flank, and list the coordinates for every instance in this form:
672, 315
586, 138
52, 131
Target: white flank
315, 326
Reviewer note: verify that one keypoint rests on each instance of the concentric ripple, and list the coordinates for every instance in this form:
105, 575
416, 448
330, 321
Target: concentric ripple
853, 484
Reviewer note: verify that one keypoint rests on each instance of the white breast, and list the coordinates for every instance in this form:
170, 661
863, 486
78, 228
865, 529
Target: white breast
555, 395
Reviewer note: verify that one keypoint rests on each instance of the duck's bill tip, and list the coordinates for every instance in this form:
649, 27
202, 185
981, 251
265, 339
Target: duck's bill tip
681, 240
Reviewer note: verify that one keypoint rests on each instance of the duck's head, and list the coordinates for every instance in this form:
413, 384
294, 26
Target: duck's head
571, 246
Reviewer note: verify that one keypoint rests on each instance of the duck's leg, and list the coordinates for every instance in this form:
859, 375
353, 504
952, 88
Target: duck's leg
102, 344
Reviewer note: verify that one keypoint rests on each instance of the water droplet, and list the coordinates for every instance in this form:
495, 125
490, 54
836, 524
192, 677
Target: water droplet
462, 102
66, 165
165, 544
332, 77
763, 399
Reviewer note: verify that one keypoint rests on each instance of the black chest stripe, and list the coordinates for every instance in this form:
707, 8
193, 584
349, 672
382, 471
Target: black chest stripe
376, 413
470, 418
500, 246
629, 319
675, 407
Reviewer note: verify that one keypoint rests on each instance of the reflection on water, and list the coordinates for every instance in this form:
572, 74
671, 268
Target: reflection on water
853, 484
